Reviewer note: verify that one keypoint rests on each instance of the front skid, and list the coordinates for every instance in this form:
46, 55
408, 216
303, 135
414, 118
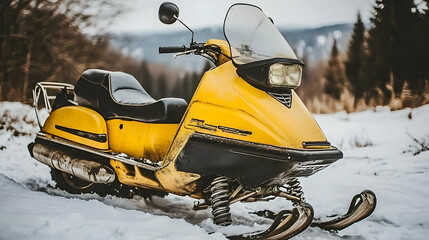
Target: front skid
287, 224
361, 206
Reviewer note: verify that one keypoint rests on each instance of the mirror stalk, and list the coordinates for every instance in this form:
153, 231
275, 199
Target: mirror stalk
192, 32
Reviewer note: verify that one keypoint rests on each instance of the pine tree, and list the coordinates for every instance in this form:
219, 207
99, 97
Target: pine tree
378, 61
423, 45
407, 46
335, 76
355, 57
394, 46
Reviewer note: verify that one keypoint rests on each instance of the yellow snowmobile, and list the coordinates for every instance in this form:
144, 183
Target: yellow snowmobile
245, 136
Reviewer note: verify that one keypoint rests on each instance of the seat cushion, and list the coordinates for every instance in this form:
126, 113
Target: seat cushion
127, 90
120, 95
131, 96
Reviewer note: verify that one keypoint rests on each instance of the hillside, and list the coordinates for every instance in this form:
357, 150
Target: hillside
315, 44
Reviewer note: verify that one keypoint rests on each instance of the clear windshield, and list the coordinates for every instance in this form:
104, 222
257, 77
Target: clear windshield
252, 36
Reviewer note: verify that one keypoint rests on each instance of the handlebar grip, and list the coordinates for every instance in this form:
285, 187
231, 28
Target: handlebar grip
174, 49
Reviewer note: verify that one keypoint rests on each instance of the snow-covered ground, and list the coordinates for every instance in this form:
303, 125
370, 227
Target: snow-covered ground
380, 153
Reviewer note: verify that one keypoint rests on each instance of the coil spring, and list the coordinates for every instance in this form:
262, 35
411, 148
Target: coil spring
220, 201
294, 188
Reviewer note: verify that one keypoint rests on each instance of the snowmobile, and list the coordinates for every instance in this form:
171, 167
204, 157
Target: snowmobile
245, 135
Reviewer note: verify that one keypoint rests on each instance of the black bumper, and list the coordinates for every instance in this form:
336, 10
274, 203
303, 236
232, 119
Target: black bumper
253, 164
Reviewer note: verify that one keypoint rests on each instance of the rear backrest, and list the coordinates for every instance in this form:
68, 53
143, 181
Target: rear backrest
87, 87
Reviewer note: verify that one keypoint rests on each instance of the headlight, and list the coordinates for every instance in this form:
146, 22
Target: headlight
285, 75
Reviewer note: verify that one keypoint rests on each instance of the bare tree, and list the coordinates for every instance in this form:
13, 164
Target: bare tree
42, 40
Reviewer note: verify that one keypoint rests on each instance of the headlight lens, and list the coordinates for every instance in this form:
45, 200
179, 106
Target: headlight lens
285, 75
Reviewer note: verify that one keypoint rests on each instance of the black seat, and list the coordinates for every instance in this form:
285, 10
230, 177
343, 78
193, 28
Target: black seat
120, 95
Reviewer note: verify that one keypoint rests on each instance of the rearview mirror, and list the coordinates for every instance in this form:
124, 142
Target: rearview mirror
168, 13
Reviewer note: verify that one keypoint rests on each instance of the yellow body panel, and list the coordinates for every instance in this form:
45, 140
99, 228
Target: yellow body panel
158, 140
139, 139
78, 118
222, 101
248, 108
170, 178
127, 136
134, 176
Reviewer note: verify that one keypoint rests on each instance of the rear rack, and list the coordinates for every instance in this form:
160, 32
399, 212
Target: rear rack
41, 90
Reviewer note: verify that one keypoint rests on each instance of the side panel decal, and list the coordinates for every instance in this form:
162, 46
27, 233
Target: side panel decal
198, 123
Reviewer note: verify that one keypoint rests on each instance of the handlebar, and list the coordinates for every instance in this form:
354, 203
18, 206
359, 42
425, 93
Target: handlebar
210, 52
173, 49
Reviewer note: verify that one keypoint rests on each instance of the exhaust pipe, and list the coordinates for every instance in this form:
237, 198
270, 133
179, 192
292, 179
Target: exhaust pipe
61, 160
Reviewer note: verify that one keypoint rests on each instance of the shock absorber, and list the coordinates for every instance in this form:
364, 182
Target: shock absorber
294, 188
219, 200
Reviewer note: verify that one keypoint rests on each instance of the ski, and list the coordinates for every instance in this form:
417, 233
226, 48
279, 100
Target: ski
361, 206
287, 224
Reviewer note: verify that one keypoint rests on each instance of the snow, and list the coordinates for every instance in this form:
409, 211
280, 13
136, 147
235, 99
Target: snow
137, 53
337, 34
379, 149
300, 48
321, 40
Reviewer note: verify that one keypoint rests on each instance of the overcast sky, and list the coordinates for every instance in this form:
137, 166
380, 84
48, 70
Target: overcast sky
142, 15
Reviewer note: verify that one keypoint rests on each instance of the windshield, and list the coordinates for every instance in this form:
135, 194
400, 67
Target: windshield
252, 36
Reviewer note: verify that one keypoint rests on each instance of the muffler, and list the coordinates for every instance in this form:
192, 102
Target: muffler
84, 169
